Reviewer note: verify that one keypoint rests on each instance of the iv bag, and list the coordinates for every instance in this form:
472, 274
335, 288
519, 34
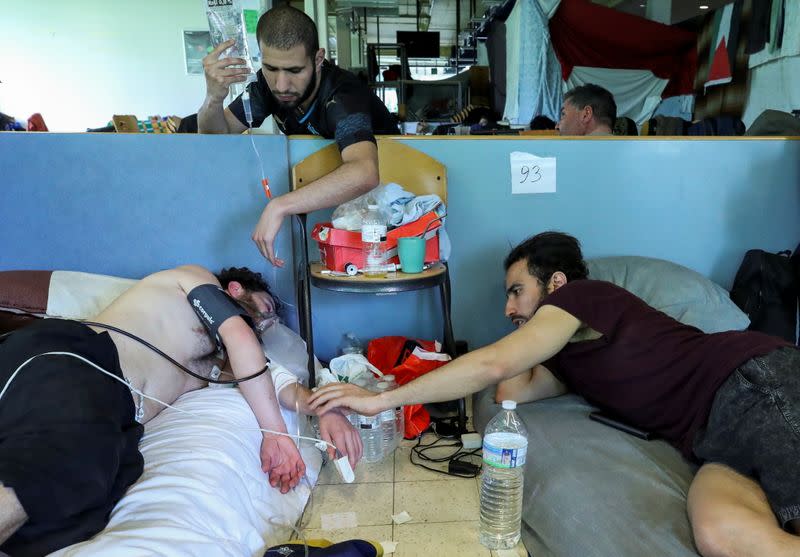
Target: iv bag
226, 20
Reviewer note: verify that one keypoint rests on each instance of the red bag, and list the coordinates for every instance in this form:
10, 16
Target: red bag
407, 359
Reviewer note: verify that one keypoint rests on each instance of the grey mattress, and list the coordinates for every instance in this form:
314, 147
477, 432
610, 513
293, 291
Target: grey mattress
594, 491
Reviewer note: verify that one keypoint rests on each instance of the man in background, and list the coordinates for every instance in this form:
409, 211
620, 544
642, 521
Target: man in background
306, 95
587, 110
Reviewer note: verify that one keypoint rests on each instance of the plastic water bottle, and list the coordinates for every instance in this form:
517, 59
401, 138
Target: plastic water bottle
369, 428
387, 418
505, 443
399, 418
350, 344
373, 238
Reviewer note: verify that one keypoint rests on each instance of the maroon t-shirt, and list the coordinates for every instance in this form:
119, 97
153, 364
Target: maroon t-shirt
647, 369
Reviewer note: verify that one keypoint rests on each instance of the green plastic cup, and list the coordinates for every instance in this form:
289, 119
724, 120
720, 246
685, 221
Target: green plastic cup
412, 253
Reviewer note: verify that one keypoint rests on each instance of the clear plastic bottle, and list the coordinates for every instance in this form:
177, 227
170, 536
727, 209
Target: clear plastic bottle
388, 419
399, 418
350, 344
505, 443
373, 238
369, 428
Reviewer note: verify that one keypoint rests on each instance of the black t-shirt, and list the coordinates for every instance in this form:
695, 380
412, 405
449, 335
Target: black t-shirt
647, 368
344, 109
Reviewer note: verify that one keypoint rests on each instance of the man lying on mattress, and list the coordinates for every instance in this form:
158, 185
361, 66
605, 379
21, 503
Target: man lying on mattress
729, 401
69, 432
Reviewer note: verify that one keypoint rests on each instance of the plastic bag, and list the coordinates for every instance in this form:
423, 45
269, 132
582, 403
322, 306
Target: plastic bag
286, 348
408, 359
350, 368
350, 214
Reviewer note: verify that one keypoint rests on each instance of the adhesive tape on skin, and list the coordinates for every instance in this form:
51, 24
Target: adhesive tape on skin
215, 373
344, 469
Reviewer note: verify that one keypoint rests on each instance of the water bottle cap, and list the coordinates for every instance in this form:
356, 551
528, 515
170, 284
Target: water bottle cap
509, 405
382, 385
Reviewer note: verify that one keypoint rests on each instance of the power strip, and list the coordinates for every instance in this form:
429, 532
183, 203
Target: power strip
471, 440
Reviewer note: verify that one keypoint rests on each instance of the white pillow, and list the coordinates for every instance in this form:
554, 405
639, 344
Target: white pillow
679, 292
74, 295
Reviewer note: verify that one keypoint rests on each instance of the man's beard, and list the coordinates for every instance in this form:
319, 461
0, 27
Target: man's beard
519, 320
304, 97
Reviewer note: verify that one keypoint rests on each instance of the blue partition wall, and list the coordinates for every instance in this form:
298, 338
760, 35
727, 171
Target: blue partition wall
700, 203
131, 204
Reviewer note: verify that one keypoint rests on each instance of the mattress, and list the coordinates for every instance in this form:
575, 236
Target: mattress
202, 491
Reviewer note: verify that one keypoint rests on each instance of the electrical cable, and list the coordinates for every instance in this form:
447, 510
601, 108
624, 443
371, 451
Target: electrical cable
458, 456
173, 361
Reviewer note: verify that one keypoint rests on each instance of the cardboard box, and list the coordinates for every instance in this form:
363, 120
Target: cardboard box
338, 247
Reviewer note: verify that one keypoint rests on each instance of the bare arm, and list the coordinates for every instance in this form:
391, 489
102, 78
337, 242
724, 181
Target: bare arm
334, 427
247, 357
245, 353
357, 175
539, 339
294, 397
212, 118
537, 384
279, 455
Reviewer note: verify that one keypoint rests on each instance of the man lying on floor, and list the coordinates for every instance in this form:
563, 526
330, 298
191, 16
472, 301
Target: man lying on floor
69, 433
729, 401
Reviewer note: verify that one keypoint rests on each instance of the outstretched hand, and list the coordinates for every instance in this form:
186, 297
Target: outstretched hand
335, 428
282, 461
266, 230
337, 395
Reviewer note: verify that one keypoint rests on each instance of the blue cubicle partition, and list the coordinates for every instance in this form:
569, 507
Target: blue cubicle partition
130, 204
699, 202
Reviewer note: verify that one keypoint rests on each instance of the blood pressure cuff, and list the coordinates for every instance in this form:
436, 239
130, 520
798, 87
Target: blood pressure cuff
213, 306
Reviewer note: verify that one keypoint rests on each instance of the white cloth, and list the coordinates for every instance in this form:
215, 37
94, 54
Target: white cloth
775, 85
405, 210
533, 75
202, 491
679, 106
636, 92
790, 44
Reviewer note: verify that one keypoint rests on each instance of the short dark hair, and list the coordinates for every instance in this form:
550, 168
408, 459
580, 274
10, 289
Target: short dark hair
548, 252
252, 281
542, 123
285, 27
600, 99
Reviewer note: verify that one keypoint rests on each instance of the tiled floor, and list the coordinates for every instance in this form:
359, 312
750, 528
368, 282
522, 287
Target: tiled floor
443, 509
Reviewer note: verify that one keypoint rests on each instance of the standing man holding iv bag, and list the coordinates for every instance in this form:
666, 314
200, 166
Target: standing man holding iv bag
306, 95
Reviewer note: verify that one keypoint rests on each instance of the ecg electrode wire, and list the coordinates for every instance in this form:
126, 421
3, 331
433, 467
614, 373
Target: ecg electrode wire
173, 361
316, 441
